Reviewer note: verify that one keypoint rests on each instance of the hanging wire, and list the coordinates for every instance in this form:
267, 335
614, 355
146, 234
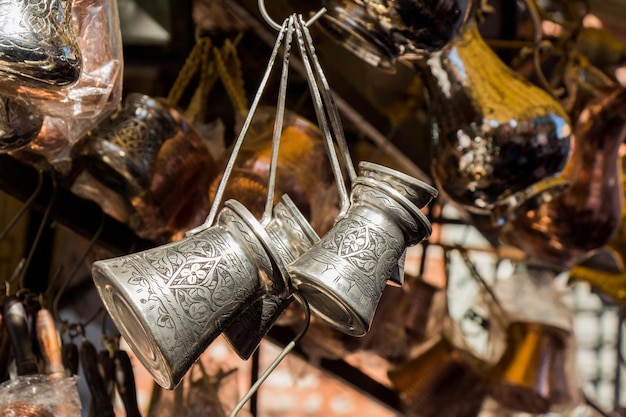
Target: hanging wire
42, 225
278, 124
64, 285
27, 204
286, 350
242, 134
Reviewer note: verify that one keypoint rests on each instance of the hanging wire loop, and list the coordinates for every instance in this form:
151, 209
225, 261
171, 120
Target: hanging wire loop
268, 19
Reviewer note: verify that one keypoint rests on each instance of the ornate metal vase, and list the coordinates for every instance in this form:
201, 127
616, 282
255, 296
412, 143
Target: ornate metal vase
500, 144
343, 275
169, 303
155, 163
38, 46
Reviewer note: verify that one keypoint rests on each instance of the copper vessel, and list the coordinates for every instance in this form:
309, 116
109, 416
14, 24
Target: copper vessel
586, 216
531, 375
499, 143
156, 165
440, 377
303, 170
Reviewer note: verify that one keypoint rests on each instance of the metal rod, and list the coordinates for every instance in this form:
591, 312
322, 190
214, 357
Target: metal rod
318, 105
286, 350
278, 124
244, 130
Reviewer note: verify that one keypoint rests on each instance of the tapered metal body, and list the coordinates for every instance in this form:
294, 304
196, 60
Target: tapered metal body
343, 275
379, 31
171, 302
500, 144
585, 217
292, 236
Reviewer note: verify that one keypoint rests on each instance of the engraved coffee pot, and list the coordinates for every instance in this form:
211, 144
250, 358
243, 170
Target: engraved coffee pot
500, 144
38, 46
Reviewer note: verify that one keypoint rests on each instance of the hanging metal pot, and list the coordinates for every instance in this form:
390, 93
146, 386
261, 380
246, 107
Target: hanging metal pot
584, 218
379, 32
38, 46
500, 144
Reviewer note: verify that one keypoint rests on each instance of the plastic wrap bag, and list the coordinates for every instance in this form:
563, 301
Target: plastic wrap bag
40, 395
70, 112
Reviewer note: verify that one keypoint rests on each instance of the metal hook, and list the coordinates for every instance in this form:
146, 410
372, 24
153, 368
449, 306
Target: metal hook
278, 27
538, 41
286, 350
278, 124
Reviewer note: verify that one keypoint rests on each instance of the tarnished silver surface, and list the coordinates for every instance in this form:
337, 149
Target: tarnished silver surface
380, 31
122, 151
38, 45
292, 236
343, 275
499, 143
19, 123
417, 191
584, 218
169, 303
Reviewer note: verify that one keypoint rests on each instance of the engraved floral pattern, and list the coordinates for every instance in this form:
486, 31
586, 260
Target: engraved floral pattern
192, 289
37, 42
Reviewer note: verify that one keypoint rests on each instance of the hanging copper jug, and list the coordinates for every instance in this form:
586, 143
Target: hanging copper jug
440, 377
379, 31
585, 217
531, 373
499, 143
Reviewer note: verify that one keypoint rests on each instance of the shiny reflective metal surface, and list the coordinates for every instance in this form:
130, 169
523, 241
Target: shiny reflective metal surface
531, 376
20, 123
440, 379
499, 143
303, 171
343, 275
586, 216
169, 303
122, 151
292, 236
38, 45
379, 31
